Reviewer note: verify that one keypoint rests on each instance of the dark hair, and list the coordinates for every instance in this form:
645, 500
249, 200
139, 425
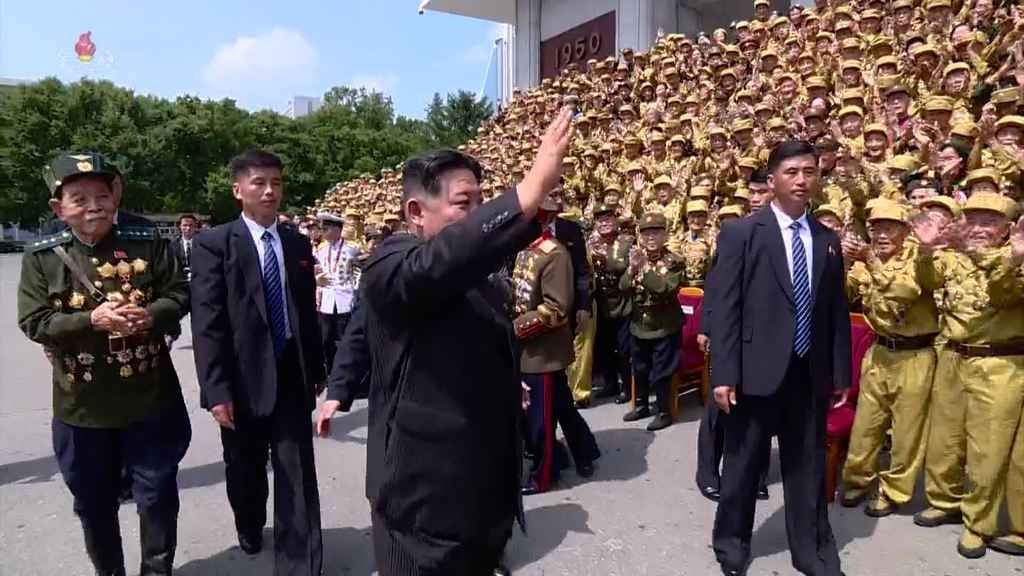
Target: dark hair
422, 173
789, 149
759, 176
187, 216
825, 145
961, 148
252, 159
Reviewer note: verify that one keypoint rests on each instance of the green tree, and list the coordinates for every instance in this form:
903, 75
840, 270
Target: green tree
175, 153
453, 120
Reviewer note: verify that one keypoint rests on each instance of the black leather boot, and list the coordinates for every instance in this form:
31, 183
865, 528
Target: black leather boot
103, 545
159, 539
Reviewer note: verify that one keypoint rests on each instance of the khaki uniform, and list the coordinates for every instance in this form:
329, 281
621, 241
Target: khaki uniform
979, 385
543, 285
896, 376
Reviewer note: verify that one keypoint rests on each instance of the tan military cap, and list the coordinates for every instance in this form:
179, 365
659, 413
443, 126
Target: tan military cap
742, 193
742, 124
1005, 95
876, 128
943, 202
731, 211
905, 162
965, 129
694, 206
939, 104
775, 123
848, 110
828, 209
989, 202
887, 210
982, 175
612, 187
662, 181
700, 192
1010, 122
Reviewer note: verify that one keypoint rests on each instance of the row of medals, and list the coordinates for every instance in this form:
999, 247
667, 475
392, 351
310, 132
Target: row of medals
123, 270
522, 280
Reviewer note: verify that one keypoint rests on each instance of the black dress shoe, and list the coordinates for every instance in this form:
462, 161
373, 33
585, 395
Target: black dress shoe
731, 571
582, 404
622, 398
530, 488
762, 493
638, 413
660, 422
711, 493
502, 570
585, 471
252, 544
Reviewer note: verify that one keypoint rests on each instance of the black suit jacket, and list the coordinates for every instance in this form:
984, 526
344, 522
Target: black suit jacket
233, 348
179, 250
754, 318
444, 450
571, 235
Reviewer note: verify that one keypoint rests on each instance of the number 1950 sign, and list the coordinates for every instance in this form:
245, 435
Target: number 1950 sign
594, 39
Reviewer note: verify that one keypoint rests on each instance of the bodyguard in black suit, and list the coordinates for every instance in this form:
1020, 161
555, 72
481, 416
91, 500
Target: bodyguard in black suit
444, 449
781, 349
261, 364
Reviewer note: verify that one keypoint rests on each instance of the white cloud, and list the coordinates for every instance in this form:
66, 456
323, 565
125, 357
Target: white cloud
385, 83
280, 58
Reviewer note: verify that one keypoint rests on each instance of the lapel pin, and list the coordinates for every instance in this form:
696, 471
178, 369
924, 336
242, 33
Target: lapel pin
831, 251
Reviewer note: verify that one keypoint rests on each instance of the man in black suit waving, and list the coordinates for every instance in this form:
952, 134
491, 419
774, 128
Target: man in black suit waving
261, 364
781, 331
444, 449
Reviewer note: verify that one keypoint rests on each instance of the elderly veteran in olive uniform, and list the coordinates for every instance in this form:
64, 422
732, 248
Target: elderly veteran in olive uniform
978, 393
653, 279
898, 369
102, 297
609, 251
543, 285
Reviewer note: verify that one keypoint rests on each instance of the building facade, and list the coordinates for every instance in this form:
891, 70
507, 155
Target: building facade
545, 36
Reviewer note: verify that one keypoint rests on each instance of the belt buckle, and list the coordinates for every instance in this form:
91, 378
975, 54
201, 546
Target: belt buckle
116, 342
976, 349
890, 344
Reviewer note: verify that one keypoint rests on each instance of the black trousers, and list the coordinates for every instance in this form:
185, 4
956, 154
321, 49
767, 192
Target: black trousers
654, 364
550, 406
92, 460
398, 554
287, 435
797, 415
332, 328
612, 344
711, 445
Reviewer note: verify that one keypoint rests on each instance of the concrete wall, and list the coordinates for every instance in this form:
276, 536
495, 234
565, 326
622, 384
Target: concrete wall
637, 23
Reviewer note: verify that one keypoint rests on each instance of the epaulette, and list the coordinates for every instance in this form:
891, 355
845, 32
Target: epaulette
136, 233
547, 246
62, 237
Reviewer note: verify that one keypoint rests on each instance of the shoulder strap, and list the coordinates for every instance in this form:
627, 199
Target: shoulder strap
78, 273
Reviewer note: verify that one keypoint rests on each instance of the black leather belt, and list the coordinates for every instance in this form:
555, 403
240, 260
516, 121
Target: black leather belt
906, 343
987, 350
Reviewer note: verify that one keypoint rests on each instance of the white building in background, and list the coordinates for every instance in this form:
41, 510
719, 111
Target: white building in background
303, 106
544, 36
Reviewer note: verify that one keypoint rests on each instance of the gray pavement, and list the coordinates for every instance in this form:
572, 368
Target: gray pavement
640, 515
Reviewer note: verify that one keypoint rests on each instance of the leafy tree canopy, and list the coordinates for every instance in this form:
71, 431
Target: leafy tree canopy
175, 153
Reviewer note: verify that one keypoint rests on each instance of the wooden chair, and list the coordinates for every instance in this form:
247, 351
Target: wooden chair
693, 361
840, 420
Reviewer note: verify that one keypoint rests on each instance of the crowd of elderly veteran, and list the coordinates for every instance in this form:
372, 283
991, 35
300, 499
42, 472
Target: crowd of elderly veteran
914, 108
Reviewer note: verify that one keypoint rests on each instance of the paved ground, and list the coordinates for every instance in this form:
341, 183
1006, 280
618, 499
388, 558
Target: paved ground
639, 515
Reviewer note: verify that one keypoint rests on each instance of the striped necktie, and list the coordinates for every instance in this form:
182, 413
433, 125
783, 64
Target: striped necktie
274, 291
801, 293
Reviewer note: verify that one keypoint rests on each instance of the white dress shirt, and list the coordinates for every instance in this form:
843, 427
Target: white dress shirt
256, 230
787, 238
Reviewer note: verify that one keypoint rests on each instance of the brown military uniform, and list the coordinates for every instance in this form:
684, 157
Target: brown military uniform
543, 284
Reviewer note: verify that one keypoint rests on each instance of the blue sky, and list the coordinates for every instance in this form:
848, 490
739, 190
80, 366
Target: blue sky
258, 52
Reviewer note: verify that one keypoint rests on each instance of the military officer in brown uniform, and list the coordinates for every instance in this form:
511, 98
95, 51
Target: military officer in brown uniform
609, 251
101, 298
543, 285
653, 279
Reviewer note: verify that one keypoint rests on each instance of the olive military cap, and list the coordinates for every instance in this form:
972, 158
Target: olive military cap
652, 220
68, 167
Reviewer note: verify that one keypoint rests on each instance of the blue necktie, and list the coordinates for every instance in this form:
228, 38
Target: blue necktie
801, 293
274, 291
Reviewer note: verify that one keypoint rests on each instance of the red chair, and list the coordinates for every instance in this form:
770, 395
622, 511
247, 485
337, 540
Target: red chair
840, 419
693, 362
